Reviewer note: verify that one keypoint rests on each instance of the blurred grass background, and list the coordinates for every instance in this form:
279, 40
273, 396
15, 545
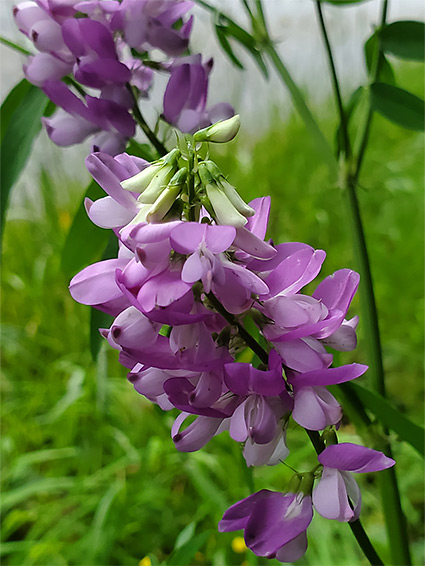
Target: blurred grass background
89, 472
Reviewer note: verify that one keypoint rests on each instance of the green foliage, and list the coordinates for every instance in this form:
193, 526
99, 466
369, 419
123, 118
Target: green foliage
20, 118
89, 471
398, 105
404, 39
85, 241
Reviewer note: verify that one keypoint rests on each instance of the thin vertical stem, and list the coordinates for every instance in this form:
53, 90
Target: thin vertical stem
393, 513
315, 438
158, 145
335, 82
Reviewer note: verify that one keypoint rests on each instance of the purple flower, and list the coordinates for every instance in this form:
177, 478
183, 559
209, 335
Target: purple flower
76, 121
336, 487
185, 97
203, 243
274, 523
315, 407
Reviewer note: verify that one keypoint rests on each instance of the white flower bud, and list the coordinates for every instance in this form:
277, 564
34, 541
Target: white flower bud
220, 132
167, 198
224, 210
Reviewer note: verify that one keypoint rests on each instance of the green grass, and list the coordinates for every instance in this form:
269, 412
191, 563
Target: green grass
89, 472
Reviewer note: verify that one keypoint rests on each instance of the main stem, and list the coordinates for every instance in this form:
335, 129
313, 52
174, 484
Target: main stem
394, 518
315, 438
158, 145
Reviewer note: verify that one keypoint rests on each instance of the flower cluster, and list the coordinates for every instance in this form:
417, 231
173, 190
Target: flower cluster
104, 46
193, 269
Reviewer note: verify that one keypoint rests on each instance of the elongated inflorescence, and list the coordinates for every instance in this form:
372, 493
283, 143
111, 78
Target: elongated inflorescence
108, 52
193, 272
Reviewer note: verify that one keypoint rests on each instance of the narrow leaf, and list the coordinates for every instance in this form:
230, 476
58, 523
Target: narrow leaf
221, 36
298, 100
185, 553
85, 241
404, 39
23, 109
398, 105
390, 416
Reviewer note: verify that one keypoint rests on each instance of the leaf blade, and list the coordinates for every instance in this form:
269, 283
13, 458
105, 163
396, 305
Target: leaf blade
390, 416
404, 39
398, 106
26, 105
85, 241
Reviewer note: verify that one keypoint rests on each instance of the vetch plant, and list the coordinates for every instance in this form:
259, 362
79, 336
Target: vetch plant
193, 265
209, 316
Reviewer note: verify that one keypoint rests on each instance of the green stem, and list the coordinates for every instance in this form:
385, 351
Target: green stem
303, 110
355, 526
335, 82
390, 495
315, 438
158, 145
230, 318
15, 46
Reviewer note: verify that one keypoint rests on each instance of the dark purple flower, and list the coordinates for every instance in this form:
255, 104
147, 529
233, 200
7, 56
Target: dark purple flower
185, 97
271, 521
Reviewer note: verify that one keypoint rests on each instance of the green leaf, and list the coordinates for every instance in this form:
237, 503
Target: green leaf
404, 39
222, 38
22, 111
142, 150
386, 73
246, 40
390, 416
398, 105
238, 33
85, 241
298, 100
186, 552
99, 319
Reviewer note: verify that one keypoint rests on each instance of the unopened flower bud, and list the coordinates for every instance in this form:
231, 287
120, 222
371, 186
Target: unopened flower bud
224, 210
236, 199
228, 189
204, 173
138, 183
221, 132
168, 196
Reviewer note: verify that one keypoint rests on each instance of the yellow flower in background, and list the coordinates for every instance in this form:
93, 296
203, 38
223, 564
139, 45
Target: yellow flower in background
146, 561
238, 545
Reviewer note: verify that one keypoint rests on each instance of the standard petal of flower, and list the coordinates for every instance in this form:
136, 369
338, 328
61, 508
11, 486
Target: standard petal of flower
354, 458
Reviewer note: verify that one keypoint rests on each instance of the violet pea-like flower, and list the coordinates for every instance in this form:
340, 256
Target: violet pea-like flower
202, 242
315, 407
274, 523
263, 400
185, 97
337, 485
